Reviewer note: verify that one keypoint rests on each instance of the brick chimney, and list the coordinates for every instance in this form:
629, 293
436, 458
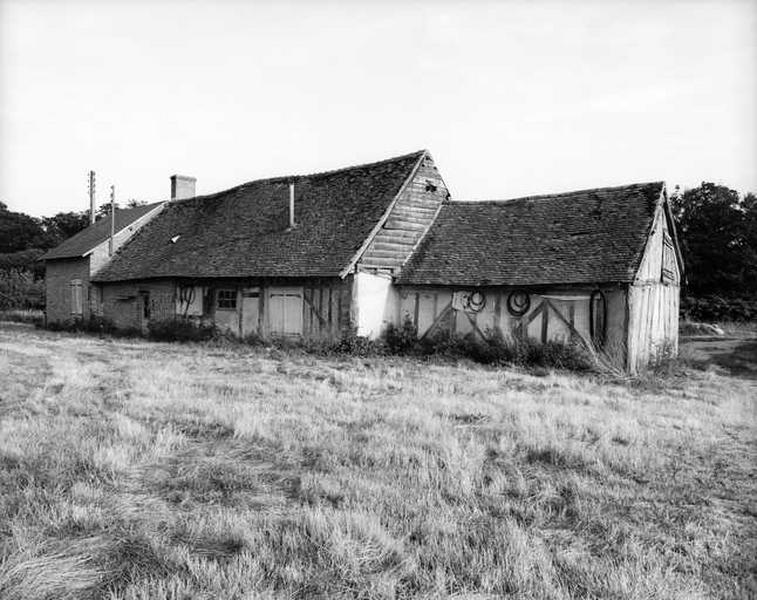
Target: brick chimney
182, 187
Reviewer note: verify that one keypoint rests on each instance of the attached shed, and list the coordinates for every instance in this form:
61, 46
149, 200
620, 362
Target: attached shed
601, 266
69, 267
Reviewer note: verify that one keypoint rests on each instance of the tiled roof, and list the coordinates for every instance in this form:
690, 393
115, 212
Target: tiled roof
96, 234
242, 232
587, 236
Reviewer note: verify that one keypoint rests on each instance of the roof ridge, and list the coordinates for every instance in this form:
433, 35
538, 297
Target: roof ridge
294, 178
139, 206
558, 194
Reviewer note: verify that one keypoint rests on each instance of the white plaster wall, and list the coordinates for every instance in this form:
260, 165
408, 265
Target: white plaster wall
374, 302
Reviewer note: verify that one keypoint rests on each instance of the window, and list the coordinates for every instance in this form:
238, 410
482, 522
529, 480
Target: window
669, 270
227, 299
145, 305
77, 304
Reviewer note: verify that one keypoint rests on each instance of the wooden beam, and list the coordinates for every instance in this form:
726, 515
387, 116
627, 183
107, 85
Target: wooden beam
438, 320
417, 309
589, 345
544, 324
314, 311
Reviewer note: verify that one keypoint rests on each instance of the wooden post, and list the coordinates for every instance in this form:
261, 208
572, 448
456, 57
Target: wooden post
112, 218
91, 197
291, 206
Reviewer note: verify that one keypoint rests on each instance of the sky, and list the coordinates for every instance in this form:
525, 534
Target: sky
511, 98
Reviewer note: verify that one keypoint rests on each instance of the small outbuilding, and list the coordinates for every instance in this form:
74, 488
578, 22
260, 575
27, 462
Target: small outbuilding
357, 249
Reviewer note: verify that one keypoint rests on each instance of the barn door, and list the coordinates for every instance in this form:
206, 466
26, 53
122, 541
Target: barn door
250, 311
285, 311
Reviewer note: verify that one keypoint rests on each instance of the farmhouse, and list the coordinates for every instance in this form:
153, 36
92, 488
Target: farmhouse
357, 249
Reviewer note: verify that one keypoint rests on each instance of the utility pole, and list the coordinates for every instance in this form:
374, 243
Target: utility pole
91, 197
112, 218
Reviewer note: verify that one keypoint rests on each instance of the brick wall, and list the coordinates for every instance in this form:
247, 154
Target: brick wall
58, 277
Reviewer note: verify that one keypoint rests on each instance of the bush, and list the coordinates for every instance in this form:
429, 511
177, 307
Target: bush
23, 315
494, 350
357, 345
94, 324
718, 308
400, 340
19, 289
179, 330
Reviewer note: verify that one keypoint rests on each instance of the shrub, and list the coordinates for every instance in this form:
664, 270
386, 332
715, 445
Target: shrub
23, 315
357, 345
400, 340
94, 324
179, 330
718, 308
19, 289
497, 350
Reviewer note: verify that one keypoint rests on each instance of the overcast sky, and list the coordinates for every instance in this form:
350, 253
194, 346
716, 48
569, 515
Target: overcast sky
511, 98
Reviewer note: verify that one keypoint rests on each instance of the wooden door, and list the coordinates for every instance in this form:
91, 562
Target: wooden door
285, 311
250, 311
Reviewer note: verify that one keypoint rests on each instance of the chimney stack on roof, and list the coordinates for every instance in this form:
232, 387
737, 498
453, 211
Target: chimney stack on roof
182, 187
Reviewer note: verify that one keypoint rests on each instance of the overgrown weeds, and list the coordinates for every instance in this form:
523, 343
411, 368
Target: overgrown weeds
402, 341
180, 330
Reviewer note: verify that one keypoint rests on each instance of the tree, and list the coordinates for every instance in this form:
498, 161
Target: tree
19, 231
104, 211
64, 225
719, 238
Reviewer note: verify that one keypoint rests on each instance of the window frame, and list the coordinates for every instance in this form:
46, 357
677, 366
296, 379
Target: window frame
76, 288
226, 299
668, 275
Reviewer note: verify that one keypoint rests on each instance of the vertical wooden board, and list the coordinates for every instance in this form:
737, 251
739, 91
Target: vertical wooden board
649, 307
319, 308
641, 322
426, 314
544, 325
416, 308
329, 312
498, 312
307, 316
630, 341
339, 321
334, 312
657, 294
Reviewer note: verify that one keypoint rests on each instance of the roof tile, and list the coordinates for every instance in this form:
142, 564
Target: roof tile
587, 236
242, 232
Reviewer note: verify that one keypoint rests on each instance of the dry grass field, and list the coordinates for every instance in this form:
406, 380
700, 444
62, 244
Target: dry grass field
131, 469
